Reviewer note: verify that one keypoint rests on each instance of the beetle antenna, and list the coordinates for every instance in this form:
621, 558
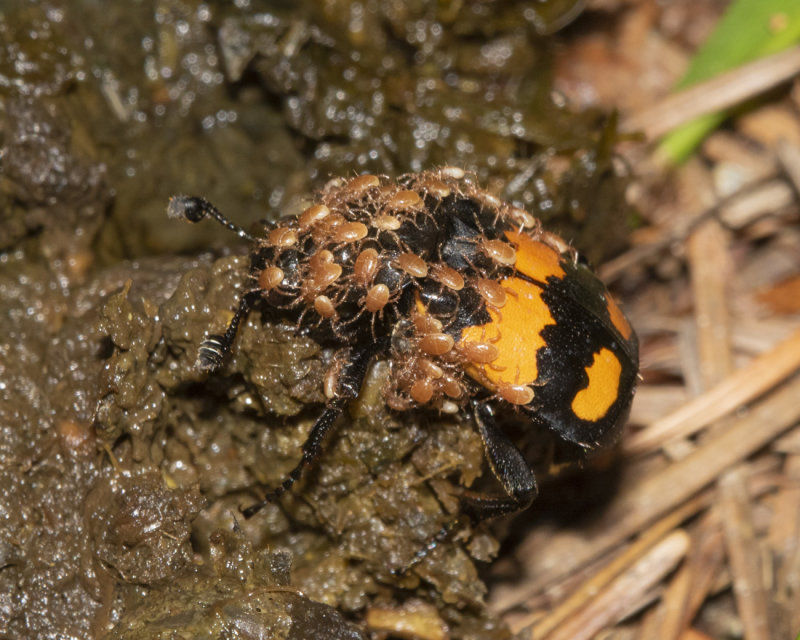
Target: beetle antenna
194, 209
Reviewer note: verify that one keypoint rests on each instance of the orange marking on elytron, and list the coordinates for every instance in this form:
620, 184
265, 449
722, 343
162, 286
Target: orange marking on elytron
421, 308
593, 402
618, 318
516, 332
535, 259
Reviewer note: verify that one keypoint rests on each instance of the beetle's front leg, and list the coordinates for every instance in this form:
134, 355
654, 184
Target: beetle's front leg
348, 387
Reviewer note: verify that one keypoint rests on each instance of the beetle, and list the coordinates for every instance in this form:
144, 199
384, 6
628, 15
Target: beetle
472, 302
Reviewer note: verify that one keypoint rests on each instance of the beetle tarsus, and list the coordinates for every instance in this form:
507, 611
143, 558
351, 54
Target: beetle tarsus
212, 350
424, 551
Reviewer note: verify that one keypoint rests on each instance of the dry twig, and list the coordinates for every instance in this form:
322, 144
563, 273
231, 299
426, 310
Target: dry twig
716, 94
744, 554
613, 602
737, 390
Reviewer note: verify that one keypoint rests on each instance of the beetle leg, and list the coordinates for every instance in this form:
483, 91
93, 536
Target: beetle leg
347, 388
213, 349
509, 467
440, 536
311, 451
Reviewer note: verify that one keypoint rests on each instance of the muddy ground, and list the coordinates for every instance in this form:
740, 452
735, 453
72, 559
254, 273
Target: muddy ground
123, 465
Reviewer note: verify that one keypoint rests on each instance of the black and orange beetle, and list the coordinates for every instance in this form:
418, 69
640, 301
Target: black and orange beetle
470, 301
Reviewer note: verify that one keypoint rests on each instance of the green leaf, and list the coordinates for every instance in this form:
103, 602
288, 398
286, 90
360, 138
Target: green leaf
749, 29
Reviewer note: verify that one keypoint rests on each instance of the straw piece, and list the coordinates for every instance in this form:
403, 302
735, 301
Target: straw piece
736, 390
638, 504
765, 199
784, 546
718, 93
710, 269
666, 621
789, 158
744, 554
613, 602
704, 566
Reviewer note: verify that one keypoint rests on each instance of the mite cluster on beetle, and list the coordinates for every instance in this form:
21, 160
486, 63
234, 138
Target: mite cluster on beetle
472, 303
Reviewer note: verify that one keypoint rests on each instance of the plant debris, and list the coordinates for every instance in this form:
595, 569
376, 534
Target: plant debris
123, 468
707, 470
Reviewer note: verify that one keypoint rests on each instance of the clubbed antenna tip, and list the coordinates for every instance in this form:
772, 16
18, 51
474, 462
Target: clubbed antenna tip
195, 209
187, 208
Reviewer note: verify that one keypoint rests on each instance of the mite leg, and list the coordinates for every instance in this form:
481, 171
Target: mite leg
509, 467
348, 387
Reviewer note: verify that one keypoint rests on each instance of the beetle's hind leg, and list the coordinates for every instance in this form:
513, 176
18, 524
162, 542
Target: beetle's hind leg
312, 448
509, 467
